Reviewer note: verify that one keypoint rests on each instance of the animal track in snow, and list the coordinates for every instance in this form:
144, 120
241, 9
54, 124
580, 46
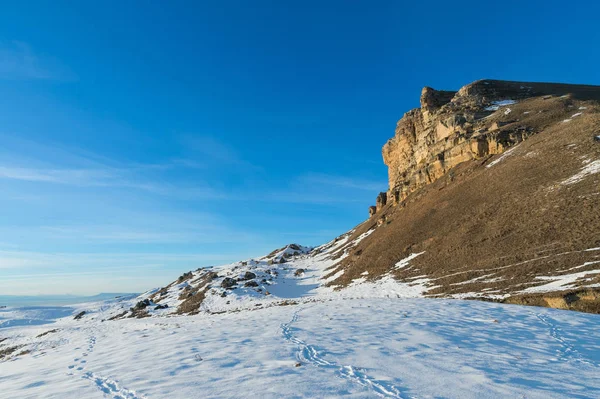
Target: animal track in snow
566, 352
111, 387
108, 386
312, 355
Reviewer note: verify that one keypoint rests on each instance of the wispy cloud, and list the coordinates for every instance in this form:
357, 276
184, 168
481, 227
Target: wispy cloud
299, 197
216, 152
105, 176
342, 181
168, 233
118, 261
19, 61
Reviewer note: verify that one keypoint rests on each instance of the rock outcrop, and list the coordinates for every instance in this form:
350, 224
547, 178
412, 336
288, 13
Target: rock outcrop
453, 127
380, 201
495, 190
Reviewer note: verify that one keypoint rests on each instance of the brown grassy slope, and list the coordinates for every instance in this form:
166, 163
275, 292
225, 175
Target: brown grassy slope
505, 224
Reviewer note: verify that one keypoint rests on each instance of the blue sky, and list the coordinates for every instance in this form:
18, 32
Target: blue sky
140, 140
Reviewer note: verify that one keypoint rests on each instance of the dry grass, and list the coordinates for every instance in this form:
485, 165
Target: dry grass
510, 222
47, 332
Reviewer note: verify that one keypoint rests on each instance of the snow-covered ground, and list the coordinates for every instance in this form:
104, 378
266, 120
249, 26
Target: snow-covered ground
292, 336
361, 348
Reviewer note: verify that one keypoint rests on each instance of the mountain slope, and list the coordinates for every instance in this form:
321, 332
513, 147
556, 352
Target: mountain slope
493, 194
505, 225
288, 276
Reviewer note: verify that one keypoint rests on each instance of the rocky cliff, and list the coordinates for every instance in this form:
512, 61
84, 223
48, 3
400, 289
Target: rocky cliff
493, 193
453, 127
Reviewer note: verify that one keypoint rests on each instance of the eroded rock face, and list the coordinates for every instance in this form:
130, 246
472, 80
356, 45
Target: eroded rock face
381, 201
452, 127
372, 211
432, 99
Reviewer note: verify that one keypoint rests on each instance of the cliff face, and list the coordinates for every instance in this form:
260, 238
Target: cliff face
493, 193
453, 127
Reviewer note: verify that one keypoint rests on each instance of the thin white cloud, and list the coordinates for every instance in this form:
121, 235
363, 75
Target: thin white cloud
212, 151
297, 197
342, 181
19, 61
132, 178
118, 261
170, 233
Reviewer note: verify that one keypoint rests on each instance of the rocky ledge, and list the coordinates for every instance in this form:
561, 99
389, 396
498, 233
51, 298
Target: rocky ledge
452, 127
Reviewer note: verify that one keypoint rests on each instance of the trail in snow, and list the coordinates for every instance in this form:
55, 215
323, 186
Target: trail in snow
111, 387
108, 386
566, 352
313, 355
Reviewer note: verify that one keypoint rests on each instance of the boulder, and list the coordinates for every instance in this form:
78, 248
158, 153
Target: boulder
228, 283
211, 276
141, 305
79, 315
249, 276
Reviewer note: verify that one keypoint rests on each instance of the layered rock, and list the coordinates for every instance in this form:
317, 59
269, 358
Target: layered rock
380, 201
453, 127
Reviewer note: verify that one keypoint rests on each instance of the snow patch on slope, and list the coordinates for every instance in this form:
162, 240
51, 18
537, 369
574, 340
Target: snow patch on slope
497, 104
591, 168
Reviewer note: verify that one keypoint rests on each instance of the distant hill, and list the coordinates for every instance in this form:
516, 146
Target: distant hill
55, 300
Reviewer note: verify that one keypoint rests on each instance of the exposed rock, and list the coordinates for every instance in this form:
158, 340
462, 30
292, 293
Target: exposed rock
8, 351
299, 272
451, 128
380, 201
211, 276
141, 305
228, 283
249, 276
161, 307
45, 333
372, 211
184, 277
79, 315
432, 99
118, 316
476, 225
251, 283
